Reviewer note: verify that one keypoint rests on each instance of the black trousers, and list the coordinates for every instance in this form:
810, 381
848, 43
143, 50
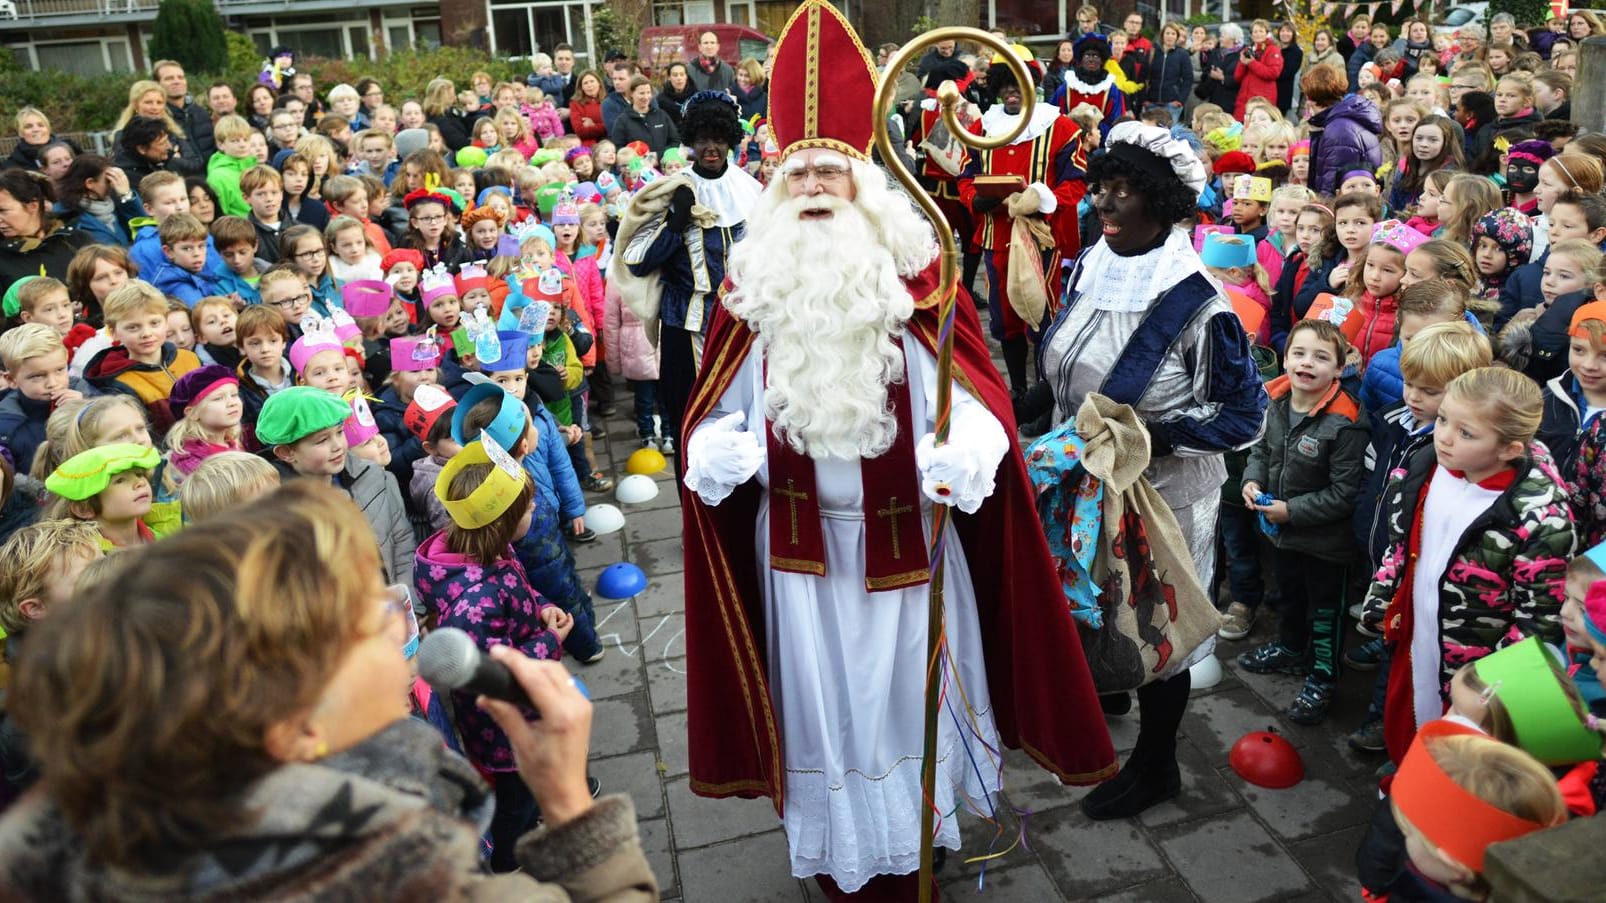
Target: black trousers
677, 371
1314, 593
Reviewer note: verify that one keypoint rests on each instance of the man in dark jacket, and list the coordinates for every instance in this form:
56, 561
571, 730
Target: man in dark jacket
193, 118
708, 71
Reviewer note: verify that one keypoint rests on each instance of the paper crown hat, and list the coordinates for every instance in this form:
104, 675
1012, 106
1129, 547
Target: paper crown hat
1447, 814
1251, 188
1224, 250
435, 282
471, 276
511, 417
1549, 727
515, 348
489, 499
317, 334
366, 297
1398, 236
823, 84
360, 426
413, 353
566, 212
430, 403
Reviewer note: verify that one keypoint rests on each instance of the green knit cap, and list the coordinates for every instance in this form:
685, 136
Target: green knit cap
293, 414
87, 474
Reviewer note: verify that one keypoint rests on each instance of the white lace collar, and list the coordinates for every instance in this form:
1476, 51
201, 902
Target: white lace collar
1130, 284
1074, 79
996, 122
731, 196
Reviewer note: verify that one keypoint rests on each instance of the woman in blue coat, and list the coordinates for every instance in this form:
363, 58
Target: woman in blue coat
109, 207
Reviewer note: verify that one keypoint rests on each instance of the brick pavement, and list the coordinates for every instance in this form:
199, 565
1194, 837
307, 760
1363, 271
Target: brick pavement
1221, 840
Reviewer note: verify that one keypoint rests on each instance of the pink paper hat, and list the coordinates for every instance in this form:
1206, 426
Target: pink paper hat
360, 426
317, 334
366, 297
1398, 236
414, 353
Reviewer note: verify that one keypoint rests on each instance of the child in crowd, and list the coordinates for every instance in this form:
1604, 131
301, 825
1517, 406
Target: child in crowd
261, 336
1441, 300
232, 160
376, 152
41, 299
1286, 203
1571, 426
362, 433
473, 287
1435, 146
351, 254
143, 363
430, 229
483, 226
414, 363
179, 330
305, 427
1302, 478
1381, 277
1231, 259
164, 194
110, 487
236, 241
348, 196
528, 429
206, 409
223, 482
302, 247
429, 426
183, 273
443, 308
1501, 241
319, 359
1446, 593
213, 321
1569, 268
264, 192
401, 268
1431, 204
35, 364
1581, 627
1354, 215
1431, 357
632, 355
468, 578
1306, 272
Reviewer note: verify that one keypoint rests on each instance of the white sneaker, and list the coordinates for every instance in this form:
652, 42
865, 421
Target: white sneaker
1237, 623
667, 446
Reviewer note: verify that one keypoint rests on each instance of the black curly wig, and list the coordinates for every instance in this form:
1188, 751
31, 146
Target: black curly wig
710, 115
1166, 198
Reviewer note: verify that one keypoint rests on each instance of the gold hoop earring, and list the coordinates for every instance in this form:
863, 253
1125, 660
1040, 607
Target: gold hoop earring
321, 750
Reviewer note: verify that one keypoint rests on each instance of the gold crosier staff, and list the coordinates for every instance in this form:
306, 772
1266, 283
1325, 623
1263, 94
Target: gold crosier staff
947, 99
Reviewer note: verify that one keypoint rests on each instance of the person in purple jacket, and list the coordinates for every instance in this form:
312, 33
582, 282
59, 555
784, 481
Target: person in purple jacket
1344, 129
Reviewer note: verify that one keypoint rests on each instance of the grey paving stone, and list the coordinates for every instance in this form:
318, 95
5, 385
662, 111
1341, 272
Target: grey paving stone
1331, 860
655, 842
752, 868
622, 724
616, 617
660, 557
635, 774
666, 684
699, 821
1204, 792
1232, 858
1326, 801
653, 523
1168, 890
605, 551
1215, 722
663, 637
672, 749
1028, 881
616, 675
1089, 858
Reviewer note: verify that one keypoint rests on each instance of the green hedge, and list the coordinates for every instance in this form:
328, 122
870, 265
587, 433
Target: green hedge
76, 103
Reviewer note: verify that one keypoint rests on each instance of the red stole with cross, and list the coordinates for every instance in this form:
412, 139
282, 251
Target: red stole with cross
894, 529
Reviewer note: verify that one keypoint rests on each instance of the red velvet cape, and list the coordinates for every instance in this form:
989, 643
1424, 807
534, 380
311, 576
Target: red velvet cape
1043, 697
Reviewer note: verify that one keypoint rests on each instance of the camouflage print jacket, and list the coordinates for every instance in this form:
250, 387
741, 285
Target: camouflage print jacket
1507, 577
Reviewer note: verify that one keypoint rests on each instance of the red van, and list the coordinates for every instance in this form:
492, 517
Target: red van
664, 44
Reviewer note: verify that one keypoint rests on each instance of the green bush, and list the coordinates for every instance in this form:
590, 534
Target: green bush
1528, 13
76, 103
190, 32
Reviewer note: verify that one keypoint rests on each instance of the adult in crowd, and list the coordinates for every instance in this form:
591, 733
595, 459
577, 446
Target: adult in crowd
1469, 38
1136, 43
940, 52
1087, 21
106, 200
676, 91
1415, 42
300, 87
440, 107
146, 98
708, 71
752, 89
1503, 30
1259, 65
1062, 64
1344, 129
1146, 326
194, 119
279, 760
618, 99
1583, 23
1218, 83
260, 100
34, 134
220, 101
371, 94
1293, 63
144, 146
644, 121
1323, 52
585, 108
563, 69
1171, 71
1553, 94
34, 239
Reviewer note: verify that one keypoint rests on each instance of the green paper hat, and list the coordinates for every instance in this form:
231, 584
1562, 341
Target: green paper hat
88, 473
12, 303
293, 414
544, 156
1548, 725
547, 197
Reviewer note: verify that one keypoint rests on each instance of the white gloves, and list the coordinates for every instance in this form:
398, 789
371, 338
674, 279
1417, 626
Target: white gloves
961, 470
721, 456
1047, 202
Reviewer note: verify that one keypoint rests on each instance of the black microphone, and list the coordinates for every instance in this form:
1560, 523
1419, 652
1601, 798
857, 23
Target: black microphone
449, 659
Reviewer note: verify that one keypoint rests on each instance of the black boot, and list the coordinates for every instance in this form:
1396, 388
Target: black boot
1150, 775
1015, 363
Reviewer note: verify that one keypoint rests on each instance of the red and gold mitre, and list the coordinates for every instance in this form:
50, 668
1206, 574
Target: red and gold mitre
823, 84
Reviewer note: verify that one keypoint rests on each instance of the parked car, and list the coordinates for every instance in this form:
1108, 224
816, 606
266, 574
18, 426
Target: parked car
1456, 16
664, 44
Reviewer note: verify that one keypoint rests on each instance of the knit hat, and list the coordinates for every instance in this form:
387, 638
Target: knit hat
471, 157
292, 414
1235, 161
575, 153
1226, 138
1594, 310
1093, 41
317, 335
511, 420
547, 198
452, 202
491, 499
402, 255
88, 473
195, 385
12, 302
546, 155
1532, 151
1512, 230
430, 403
366, 297
409, 140
412, 353
1397, 235
639, 147
678, 155
1300, 148
479, 214
360, 426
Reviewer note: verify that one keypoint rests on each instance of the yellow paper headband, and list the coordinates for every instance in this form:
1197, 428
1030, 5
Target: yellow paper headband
493, 497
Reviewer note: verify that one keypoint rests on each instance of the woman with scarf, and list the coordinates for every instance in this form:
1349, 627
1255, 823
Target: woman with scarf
34, 240
103, 194
1144, 325
1218, 79
33, 136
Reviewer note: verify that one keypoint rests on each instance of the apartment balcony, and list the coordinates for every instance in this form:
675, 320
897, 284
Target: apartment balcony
36, 14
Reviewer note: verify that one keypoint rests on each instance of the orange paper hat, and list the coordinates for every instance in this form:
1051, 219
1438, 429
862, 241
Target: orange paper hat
1449, 816
823, 84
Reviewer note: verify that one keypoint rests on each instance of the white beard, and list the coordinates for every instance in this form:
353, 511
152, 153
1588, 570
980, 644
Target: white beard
826, 301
